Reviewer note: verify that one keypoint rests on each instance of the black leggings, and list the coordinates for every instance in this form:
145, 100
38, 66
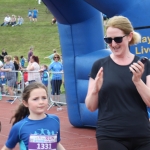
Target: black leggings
123, 143
56, 84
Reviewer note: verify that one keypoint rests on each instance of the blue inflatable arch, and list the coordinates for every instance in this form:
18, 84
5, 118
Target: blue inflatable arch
81, 31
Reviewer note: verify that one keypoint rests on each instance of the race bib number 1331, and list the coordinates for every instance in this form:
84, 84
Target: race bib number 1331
42, 142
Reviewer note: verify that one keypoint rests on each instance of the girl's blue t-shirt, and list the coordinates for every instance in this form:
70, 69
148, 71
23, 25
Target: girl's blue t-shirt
22, 130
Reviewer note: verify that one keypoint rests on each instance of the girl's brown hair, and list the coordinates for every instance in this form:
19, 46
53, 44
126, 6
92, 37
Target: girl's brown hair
125, 25
23, 111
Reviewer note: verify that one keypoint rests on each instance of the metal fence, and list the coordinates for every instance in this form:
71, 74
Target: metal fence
55, 99
19, 86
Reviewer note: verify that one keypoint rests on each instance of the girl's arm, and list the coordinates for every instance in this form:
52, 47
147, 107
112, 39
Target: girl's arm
60, 147
5, 148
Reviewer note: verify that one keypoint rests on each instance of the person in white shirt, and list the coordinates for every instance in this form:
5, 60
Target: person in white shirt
7, 20
33, 66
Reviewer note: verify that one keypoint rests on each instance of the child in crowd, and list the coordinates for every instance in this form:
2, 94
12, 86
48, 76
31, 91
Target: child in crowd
2, 82
44, 75
31, 124
22, 61
2, 79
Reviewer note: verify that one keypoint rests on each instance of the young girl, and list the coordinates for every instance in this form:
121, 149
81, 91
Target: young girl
22, 61
44, 75
32, 128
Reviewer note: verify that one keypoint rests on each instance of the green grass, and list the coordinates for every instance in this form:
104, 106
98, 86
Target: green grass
41, 35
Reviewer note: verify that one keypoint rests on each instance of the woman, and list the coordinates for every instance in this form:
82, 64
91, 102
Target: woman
33, 66
119, 87
56, 68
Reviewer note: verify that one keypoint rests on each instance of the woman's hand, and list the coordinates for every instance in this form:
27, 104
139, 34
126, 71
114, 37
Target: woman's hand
137, 69
98, 81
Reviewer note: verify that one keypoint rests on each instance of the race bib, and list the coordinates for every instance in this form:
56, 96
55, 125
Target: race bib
42, 142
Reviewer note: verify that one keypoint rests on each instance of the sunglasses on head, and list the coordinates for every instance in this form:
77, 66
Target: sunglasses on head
118, 39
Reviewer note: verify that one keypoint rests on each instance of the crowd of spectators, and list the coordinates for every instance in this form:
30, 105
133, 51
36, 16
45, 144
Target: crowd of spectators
12, 21
32, 71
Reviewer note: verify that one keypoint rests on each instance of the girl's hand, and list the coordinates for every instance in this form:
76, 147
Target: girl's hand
98, 80
137, 69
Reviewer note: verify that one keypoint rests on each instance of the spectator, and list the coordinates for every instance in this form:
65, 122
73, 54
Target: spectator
2, 82
13, 20
56, 67
44, 75
30, 53
22, 61
30, 14
39, 1
34, 15
2, 78
33, 66
7, 20
17, 68
51, 56
10, 76
53, 20
4, 53
20, 21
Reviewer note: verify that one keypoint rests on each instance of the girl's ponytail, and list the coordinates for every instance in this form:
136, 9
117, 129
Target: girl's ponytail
21, 113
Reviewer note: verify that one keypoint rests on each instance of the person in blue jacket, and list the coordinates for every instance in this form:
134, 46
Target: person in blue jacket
44, 75
32, 128
34, 15
30, 14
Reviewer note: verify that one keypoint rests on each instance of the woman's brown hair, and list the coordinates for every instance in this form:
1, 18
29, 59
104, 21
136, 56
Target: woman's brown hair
23, 111
16, 59
35, 58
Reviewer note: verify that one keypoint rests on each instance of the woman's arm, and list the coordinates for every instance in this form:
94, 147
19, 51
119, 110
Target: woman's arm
30, 67
5, 148
94, 87
60, 147
46, 57
143, 89
2, 69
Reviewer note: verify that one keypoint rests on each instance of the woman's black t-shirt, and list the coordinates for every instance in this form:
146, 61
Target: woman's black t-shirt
122, 112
